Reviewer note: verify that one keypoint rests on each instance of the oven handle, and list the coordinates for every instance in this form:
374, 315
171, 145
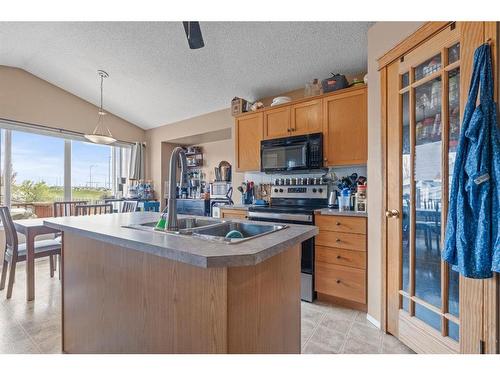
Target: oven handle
280, 216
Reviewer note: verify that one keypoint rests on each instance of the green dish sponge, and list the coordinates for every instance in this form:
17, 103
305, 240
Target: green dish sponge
234, 234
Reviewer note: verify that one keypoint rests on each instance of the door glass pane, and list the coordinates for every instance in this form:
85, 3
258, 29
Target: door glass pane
453, 330
405, 304
428, 316
454, 132
406, 191
454, 53
405, 80
453, 295
428, 67
427, 175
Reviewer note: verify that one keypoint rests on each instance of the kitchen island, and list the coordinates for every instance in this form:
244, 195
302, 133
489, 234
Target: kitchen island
133, 291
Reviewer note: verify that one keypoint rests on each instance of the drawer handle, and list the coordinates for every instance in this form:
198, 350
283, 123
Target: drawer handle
338, 281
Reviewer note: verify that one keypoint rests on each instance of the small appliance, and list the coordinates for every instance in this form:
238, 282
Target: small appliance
302, 152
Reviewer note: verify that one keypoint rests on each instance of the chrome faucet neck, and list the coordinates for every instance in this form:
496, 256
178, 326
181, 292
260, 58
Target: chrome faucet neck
177, 154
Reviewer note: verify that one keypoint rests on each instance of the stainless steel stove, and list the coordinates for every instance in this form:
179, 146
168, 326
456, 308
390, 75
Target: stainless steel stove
295, 204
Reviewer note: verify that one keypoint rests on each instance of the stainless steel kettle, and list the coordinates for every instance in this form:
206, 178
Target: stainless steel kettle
332, 199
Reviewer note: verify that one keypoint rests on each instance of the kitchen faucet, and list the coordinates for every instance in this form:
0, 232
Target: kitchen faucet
178, 152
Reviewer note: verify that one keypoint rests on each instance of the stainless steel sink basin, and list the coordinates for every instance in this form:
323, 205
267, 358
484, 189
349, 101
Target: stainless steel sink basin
248, 230
212, 229
186, 225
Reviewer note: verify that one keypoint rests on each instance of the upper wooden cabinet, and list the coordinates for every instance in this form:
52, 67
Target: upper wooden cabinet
248, 133
277, 122
307, 117
345, 128
341, 116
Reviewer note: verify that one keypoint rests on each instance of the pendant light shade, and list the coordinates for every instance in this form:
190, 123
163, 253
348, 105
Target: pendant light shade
101, 134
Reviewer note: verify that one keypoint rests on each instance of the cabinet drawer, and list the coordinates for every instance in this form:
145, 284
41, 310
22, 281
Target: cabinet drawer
341, 240
233, 214
340, 281
350, 258
341, 224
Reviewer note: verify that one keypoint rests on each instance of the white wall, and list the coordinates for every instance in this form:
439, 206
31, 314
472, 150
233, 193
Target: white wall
381, 37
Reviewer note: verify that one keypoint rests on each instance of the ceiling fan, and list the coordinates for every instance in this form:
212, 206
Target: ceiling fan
193, 34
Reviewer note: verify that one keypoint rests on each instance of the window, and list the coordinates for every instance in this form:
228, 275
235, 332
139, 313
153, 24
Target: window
91, 173
38, 167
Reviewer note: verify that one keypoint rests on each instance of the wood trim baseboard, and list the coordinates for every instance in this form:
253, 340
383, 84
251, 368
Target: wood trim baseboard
412, 42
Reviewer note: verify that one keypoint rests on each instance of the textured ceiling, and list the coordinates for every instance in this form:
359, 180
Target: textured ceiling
155, 79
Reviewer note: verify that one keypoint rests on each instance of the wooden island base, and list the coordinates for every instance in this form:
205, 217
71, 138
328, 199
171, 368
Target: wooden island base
117, 300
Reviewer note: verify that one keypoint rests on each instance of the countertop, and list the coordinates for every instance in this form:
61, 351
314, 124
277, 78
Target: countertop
336, 212
195, 251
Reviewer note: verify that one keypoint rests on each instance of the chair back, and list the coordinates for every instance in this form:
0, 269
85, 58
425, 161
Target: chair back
67, 208
129, 206
93, 209
9, 228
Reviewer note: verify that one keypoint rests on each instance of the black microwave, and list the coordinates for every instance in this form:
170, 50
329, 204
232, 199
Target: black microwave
301, 152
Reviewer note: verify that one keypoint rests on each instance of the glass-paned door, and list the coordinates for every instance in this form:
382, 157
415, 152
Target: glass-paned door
422, 139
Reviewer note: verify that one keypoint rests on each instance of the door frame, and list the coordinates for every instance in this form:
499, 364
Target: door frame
481, 334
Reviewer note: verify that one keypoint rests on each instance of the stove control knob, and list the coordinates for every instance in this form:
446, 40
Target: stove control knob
314, 190
281, 190
320, 190
275, 190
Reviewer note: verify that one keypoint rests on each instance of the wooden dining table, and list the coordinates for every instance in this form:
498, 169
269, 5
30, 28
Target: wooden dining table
31, 228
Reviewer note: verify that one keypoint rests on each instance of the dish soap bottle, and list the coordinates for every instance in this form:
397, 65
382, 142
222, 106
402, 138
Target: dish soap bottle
162, 223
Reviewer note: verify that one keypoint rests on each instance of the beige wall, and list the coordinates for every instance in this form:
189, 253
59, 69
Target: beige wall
194, 126
381, 37
214, 153
25, 97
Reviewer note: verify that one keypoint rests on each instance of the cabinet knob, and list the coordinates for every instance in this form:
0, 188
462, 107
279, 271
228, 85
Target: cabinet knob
337, 223
338, 281
337, 240
338, 257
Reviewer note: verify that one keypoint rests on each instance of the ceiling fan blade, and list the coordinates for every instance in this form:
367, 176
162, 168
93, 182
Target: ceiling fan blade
193, 34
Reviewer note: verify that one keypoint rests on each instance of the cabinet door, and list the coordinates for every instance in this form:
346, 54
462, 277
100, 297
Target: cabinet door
307, 117
248, 133
277, 122
345, 128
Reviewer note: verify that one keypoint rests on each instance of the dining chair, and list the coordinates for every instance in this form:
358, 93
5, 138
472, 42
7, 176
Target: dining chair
67, 208
93, 209
62, 209
129, 206
15, 252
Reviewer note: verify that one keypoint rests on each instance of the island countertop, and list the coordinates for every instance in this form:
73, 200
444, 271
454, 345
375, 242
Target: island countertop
191, 250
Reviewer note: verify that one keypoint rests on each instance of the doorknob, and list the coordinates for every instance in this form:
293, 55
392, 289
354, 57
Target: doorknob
391, 213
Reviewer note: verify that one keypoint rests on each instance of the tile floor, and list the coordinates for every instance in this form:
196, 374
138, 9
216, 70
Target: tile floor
34, 327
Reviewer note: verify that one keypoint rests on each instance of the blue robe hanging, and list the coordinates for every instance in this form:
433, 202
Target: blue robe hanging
472, 243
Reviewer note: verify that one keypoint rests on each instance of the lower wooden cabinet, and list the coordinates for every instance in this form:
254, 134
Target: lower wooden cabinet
340, 261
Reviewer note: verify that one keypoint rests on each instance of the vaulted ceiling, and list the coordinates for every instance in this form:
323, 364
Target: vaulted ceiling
155, 79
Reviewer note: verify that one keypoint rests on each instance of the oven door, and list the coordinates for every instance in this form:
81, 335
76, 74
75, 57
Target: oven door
306, 259
280, 155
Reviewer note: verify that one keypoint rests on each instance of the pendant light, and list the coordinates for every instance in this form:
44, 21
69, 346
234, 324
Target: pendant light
101, 134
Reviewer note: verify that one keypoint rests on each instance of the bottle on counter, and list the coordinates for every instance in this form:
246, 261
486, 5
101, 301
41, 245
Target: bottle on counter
345, 200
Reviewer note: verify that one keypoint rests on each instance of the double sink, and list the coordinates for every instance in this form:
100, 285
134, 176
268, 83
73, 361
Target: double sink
214, 230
